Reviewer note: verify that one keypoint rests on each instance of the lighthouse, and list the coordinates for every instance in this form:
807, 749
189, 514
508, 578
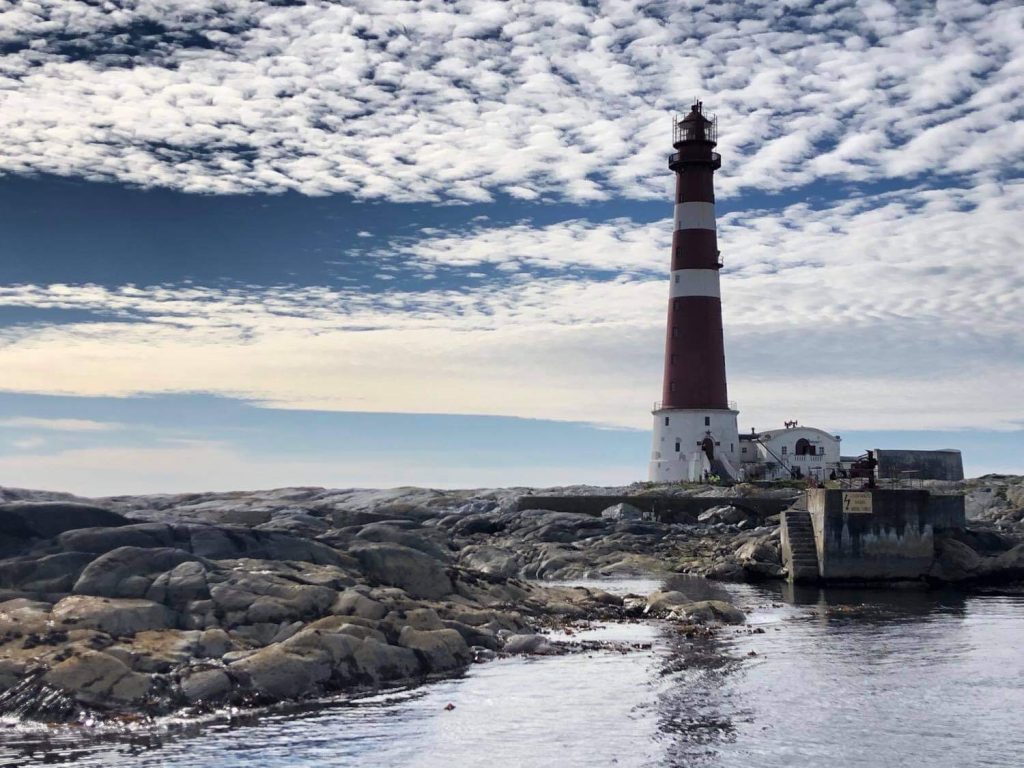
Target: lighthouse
695, 429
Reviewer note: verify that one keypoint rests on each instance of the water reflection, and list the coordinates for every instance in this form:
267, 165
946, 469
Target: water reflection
878, 677
903, 603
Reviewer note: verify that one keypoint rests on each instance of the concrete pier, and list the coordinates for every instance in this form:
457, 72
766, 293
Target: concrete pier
870, 535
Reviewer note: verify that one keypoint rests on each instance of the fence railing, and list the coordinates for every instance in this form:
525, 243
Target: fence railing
659, 403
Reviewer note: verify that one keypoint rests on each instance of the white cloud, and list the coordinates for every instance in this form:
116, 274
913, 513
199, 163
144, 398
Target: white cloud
58, 425
29, 443
423, 99
897, 311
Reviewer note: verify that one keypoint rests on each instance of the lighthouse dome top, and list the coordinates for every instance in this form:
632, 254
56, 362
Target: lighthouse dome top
695, 126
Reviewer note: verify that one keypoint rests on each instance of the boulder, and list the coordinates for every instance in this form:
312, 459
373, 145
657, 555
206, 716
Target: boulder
1010, 563
954, 561
113, 616
707, 611
471, 525
416, 539
349, 625
205, 685
392, 564
182, 584
258, 635
727, 514
761, 549
259, 597
274, 545
440, 650
530, 644
727, 570
417, 618
379, 661
352, 602
1015, 494
494, 561
621, 512
275, 673
559, 527
157, 650
474, 636
98, 679
24, 615
213, 643
130, 571
45, 574
661, 603
557, 562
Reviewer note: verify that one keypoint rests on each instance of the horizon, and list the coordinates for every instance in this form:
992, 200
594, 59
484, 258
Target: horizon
328, 243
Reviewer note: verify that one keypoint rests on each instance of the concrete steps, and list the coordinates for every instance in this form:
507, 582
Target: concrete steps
799, 551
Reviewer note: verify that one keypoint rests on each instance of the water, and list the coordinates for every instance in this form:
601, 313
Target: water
836, 678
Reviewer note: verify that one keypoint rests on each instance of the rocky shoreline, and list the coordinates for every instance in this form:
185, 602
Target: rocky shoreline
129, 607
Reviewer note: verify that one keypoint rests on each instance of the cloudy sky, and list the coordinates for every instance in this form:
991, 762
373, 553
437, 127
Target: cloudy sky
247, 244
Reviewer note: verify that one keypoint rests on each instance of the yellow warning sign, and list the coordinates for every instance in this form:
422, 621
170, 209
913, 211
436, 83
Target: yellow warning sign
857, 503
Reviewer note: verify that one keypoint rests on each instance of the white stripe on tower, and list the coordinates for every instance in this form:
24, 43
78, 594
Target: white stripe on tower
695, 216
694, 282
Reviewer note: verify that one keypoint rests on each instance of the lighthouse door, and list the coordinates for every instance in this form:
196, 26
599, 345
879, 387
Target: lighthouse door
708, 447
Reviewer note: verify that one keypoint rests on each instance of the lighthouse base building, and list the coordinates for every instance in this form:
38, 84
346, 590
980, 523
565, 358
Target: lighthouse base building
690, 445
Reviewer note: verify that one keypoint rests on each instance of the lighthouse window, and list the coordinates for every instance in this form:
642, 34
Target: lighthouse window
671, 386
677, 279
675, 332
666, 421
707, 421
677, 446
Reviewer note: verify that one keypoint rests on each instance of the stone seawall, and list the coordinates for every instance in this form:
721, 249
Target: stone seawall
662, 508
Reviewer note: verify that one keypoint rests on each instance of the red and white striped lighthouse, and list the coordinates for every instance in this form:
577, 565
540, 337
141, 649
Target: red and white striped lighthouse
695, 428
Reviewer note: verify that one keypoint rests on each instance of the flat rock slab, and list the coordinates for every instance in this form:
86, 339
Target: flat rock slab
110, 615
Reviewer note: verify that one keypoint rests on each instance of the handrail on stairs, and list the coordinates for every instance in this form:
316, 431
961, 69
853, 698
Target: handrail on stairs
778, 458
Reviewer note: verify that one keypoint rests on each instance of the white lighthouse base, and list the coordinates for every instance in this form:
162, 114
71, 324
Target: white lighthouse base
690, 445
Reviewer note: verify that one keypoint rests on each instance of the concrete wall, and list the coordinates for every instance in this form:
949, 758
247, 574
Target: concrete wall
928, 465
947, 512
666, 509
894, 541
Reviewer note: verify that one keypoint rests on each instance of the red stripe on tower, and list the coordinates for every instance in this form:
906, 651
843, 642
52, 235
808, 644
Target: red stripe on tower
694, 348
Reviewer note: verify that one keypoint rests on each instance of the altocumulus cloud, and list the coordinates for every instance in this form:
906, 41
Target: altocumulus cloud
555, 98
873, 299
